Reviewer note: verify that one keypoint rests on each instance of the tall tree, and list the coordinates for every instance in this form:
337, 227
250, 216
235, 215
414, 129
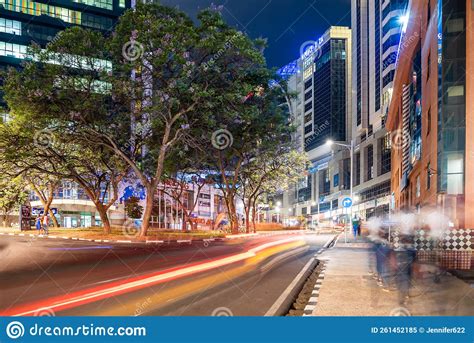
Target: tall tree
267, 173
148, 90
63, 88
44, 186
13, 194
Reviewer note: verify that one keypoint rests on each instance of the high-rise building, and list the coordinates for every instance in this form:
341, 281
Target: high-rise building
377, 26
431, 111
321, 78
27, 21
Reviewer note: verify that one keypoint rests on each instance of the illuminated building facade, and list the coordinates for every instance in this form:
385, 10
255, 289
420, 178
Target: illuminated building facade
377, 27
23, 22
431, 112
321, 112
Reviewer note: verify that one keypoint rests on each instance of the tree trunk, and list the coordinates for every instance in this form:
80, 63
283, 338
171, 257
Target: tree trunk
104, 217
234, 221
150, 192
46, 202
53, 218
247, 218
254, 214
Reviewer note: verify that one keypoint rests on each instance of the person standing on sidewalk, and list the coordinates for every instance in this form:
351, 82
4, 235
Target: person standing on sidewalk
46, 224
355, 226
38, 224
405, 255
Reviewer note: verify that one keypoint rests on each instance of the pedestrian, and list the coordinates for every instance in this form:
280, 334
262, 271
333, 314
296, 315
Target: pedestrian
359, 226
45, 224
38, 225
355, 226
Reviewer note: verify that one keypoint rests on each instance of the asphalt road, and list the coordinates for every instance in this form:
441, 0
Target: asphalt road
64, 277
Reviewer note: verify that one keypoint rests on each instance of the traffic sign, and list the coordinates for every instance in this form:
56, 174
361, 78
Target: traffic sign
347, 202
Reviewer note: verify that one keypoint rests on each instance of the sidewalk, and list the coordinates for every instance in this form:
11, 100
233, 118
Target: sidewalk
349, 290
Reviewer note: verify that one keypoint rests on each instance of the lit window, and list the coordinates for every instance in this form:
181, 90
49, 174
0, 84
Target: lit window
4, 117
107, 4
12, 50
10, 26
36, 8
418, 186
455, 91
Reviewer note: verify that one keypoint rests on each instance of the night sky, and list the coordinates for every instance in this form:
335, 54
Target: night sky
287, 24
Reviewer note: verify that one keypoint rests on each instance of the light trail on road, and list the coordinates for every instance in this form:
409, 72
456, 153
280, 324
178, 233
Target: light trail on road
97, 293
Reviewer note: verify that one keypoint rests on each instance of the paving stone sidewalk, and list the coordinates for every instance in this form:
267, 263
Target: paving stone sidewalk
348, 289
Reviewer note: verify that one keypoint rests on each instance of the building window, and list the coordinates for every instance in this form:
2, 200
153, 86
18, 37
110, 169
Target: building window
107, 4
370, 162
428, 176
455, 25
357, 169
428, 14
324, 183
10, 26
4, 117
385, 155
38, 9
418, 186
122, 3
12, 50
336, 180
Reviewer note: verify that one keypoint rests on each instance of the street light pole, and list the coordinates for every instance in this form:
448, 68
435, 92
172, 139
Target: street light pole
351, 185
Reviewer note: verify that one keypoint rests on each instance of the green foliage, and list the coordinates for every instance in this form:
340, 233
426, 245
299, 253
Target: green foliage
145, 100
12, 194
133, 208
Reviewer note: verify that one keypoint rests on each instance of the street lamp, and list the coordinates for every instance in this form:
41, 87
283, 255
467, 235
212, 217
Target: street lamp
330, 142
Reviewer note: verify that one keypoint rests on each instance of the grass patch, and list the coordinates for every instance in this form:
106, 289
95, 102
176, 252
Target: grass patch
125, 233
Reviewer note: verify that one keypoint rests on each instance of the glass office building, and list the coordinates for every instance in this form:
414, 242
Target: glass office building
377, 30
23, 22
321, 78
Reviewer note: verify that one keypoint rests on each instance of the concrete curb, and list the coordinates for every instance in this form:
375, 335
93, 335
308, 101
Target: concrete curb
285, 300
313, 301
